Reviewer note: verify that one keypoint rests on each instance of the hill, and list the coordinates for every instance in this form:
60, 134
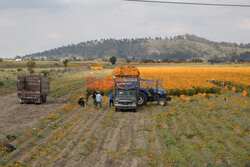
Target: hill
178, 48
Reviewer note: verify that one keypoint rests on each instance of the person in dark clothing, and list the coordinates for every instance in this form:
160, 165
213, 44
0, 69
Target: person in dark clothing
111, 98
9, 147
87, 94
94, 97
81, 102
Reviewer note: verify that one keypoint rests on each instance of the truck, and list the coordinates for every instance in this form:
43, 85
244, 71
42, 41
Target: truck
32, 89
131, 91
126, 93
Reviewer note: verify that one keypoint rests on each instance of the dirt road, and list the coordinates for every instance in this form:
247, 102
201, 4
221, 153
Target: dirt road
16, 117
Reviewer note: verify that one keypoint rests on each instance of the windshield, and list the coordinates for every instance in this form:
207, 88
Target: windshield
125, 93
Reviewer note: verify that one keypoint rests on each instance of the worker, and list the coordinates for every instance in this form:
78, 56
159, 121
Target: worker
213, 81
94, 97
111, 98
87, 94
98, 100
81, 102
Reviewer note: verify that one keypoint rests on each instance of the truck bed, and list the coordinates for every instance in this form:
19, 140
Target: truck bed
32, 88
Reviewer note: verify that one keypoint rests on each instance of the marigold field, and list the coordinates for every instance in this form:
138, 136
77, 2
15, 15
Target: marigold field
203, 129
189, 80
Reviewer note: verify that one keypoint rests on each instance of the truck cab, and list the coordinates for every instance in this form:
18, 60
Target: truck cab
126, 94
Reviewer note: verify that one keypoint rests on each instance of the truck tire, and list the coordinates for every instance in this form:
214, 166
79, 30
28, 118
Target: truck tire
142, 99
116, 109
162, 102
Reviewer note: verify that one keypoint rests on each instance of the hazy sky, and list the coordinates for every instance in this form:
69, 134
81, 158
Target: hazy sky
28, 26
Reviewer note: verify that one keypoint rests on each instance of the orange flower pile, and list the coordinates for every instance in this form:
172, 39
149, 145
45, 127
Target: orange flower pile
127, 70
83, 64
6, 62
244, 94
188, 99
96, 68
233, 89
185, 98
182, 97
102, 84
204, 95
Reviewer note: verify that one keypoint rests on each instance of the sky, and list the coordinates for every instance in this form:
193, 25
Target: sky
30, 26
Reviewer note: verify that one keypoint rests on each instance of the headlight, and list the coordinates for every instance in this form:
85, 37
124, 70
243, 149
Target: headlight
134, 103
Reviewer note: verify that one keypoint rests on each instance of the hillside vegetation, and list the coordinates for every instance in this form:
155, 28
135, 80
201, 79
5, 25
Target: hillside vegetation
182, 48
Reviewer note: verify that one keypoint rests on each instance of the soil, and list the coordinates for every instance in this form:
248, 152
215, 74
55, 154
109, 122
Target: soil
124, 133
16, 117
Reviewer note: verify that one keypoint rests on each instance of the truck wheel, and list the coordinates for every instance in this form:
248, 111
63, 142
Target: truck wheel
116, 109
142, 99
162, 102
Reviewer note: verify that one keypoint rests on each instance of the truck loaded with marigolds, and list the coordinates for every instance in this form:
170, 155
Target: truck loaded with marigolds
131, 91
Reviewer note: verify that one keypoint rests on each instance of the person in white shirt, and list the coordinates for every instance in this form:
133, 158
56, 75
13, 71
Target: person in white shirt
98, 100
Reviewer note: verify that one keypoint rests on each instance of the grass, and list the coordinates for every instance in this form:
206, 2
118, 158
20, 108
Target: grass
67, 84
63, 81
39, 64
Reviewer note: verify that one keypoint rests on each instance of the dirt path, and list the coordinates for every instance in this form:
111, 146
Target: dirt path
16, 117
117, 142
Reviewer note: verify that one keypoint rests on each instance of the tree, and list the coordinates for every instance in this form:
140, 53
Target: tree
18, 57
46, 73
128, 61
112, 60
65, 62
147, 61
31, 64
1, 60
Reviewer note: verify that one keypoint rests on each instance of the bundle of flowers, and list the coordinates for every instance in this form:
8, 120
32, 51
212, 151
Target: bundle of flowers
127, 70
